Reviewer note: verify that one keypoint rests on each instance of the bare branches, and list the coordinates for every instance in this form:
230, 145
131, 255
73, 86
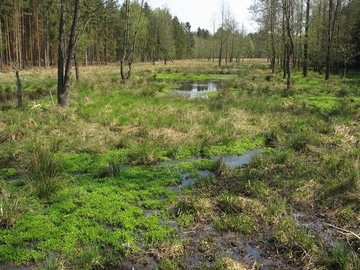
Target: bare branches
343, 231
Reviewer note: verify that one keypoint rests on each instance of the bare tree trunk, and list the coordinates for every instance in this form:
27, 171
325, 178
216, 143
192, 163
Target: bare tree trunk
285, 52
226, 51
61, 54
64, 77
289, 46
330, 33
1, 49
126, 41
127, 53
329, 39
306, 42
272, 31
9, 58
19, 88
77, 71
46, 55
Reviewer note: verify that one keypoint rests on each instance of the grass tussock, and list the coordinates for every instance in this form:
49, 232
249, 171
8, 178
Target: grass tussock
43, 174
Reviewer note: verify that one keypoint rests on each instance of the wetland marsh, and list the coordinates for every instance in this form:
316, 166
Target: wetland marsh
130, 176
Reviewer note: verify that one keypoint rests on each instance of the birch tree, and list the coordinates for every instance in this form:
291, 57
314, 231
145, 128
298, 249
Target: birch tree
129, 41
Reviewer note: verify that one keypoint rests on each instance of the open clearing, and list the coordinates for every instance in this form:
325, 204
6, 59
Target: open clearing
134, 176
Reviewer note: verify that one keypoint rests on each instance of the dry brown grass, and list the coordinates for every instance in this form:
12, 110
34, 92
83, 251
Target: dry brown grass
167, 251
230, 264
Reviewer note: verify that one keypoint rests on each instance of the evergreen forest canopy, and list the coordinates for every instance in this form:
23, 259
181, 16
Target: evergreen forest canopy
308, 34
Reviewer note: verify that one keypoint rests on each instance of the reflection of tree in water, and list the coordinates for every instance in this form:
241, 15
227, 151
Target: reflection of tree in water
193, 89
200, 86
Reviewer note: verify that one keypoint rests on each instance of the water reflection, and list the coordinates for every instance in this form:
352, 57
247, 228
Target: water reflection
198, 88
237, 161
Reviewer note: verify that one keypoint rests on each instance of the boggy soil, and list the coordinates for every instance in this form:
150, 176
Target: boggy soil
203, 245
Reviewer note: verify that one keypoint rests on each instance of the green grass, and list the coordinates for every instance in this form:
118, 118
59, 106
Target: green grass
76, 183
105, 211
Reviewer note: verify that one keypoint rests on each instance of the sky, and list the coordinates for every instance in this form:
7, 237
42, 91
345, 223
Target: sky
199, 13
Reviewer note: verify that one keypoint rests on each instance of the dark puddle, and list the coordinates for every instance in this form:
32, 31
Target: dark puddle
235, 246
231, 162
237, 161
317, 227
198, 89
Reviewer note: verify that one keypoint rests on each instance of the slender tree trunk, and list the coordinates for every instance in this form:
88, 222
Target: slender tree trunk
61, 55
226, 51
106, 41
306, 42
1, 49
64, 77
288, 11
38, 47
329, 39
127, 52
77, 71
9, 58
343, 75
126, 41
46, 55
333, 12
19, 89
285, 45
272, 33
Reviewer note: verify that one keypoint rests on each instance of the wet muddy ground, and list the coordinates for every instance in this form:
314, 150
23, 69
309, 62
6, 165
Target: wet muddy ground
203, 245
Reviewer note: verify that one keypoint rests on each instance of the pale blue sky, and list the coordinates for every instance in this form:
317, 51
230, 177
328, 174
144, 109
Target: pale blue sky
200, 12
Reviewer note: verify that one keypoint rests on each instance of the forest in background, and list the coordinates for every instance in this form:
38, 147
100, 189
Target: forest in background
298, 33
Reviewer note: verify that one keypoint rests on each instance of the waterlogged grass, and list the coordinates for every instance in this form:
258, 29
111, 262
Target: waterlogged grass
101, 201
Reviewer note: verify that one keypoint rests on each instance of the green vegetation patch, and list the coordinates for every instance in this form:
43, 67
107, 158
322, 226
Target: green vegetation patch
102, 212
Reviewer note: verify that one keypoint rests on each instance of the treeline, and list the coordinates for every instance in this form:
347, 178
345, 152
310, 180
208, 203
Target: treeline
319, 34
29, 33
